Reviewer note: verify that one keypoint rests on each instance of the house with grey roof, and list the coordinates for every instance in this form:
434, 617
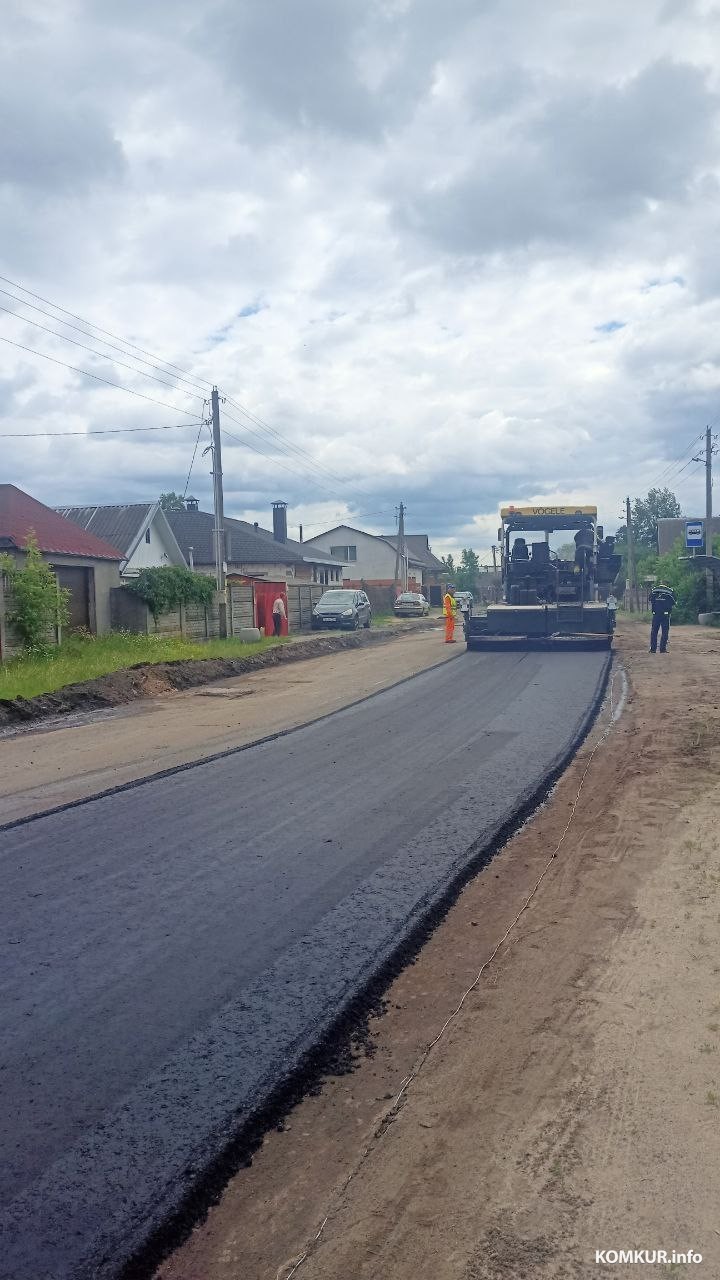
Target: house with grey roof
250, 550
140, 530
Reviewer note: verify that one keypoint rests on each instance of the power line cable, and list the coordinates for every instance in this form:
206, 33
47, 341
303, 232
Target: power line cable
276, 462
289, 444
192, 464
669, 467
100, 431
41, 311
101, 354
118, 386
294, 469
107, 332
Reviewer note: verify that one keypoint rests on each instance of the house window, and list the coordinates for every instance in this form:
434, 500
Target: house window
147, 535
345, 553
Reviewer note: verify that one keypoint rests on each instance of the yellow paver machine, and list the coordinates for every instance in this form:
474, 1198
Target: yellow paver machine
550, 601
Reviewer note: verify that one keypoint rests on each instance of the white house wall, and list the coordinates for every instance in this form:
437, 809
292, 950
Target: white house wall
152, 554
375, 558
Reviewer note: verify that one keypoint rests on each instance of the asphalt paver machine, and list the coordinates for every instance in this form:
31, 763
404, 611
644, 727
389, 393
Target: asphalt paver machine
550, 601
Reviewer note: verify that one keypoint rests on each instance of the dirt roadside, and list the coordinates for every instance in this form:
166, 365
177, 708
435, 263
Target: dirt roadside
573, 1104
51, 764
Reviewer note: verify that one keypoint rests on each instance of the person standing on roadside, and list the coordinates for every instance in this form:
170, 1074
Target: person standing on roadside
279, 614
611, 603
662, 603
449, 611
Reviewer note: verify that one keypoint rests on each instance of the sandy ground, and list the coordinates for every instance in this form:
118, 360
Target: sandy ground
48, 765
573, 1104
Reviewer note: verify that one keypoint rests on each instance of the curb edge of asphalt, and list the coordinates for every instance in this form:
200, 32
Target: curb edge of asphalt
319, 1057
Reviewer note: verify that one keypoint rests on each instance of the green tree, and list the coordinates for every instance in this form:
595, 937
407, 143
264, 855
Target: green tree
660, 504
468, 570
37, 603
449, 563
172, 501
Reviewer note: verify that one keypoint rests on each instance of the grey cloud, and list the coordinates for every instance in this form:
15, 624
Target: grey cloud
52, 144
574, 167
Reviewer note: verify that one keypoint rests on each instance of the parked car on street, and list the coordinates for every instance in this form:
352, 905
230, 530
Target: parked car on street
347, 609
465, 601
410, 604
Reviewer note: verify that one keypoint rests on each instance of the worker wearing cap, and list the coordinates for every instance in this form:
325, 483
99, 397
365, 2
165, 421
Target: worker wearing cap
449, 611
662, 602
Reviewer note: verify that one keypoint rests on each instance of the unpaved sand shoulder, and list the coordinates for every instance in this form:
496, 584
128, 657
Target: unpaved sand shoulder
58, 763
574, 1103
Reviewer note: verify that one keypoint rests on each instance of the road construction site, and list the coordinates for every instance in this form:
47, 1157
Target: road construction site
177, 946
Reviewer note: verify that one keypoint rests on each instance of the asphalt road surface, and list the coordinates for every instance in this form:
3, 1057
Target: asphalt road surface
170, 951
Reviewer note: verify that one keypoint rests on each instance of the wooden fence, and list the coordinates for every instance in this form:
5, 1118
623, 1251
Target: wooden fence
200, 622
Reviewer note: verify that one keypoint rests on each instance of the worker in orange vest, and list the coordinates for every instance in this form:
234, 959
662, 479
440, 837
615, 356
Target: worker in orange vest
449, 611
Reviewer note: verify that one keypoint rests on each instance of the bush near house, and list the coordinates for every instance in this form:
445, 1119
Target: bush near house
166, 588
37, 604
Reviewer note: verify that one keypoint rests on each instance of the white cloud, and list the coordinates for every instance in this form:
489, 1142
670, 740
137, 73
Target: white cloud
460, 254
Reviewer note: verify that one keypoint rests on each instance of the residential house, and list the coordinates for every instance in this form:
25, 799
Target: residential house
371, 559
250, 550
85, 564
140, 530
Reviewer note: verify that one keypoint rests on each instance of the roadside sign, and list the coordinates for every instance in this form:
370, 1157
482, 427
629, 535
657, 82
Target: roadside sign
694, 533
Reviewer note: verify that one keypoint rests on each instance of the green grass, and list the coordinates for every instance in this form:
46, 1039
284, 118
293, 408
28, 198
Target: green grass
86, 658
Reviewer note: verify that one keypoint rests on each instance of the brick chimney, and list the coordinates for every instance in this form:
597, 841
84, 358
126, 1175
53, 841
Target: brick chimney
279, 510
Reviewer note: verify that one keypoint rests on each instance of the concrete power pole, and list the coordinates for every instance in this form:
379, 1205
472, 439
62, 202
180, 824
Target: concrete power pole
632, 573
219, 527
709, 581
400, 549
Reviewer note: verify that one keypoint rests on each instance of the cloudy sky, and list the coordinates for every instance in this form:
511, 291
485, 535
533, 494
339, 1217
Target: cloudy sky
452, 254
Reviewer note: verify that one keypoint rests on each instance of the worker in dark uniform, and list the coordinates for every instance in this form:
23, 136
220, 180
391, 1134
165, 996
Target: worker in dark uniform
662, 602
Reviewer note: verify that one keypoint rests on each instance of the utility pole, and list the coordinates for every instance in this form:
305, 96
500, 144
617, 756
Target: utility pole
632, 573
400, 549
709, 581
219, 529
494, 556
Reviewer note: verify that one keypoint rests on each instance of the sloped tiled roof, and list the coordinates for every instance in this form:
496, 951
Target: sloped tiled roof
119, 523
21, 515
311, 555
418, 545
246, 544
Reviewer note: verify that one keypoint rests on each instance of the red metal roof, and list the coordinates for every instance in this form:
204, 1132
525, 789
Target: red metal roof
21, 515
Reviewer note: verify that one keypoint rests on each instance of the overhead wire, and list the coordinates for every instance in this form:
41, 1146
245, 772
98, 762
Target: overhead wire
58, 320
101, 354
276, 462
86, 372
263, 453
192, 463
100, 431
107, 332
665, 474
289, 444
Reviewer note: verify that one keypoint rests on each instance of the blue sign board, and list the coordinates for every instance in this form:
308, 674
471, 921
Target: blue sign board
694, 533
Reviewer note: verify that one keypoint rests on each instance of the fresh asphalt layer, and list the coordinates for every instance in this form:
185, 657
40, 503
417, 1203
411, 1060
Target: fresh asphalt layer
173, 949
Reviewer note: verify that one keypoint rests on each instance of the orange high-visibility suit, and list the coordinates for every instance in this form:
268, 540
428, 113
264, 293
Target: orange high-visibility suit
449, 611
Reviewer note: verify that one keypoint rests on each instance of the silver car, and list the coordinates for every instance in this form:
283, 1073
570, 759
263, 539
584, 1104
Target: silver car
410, 604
